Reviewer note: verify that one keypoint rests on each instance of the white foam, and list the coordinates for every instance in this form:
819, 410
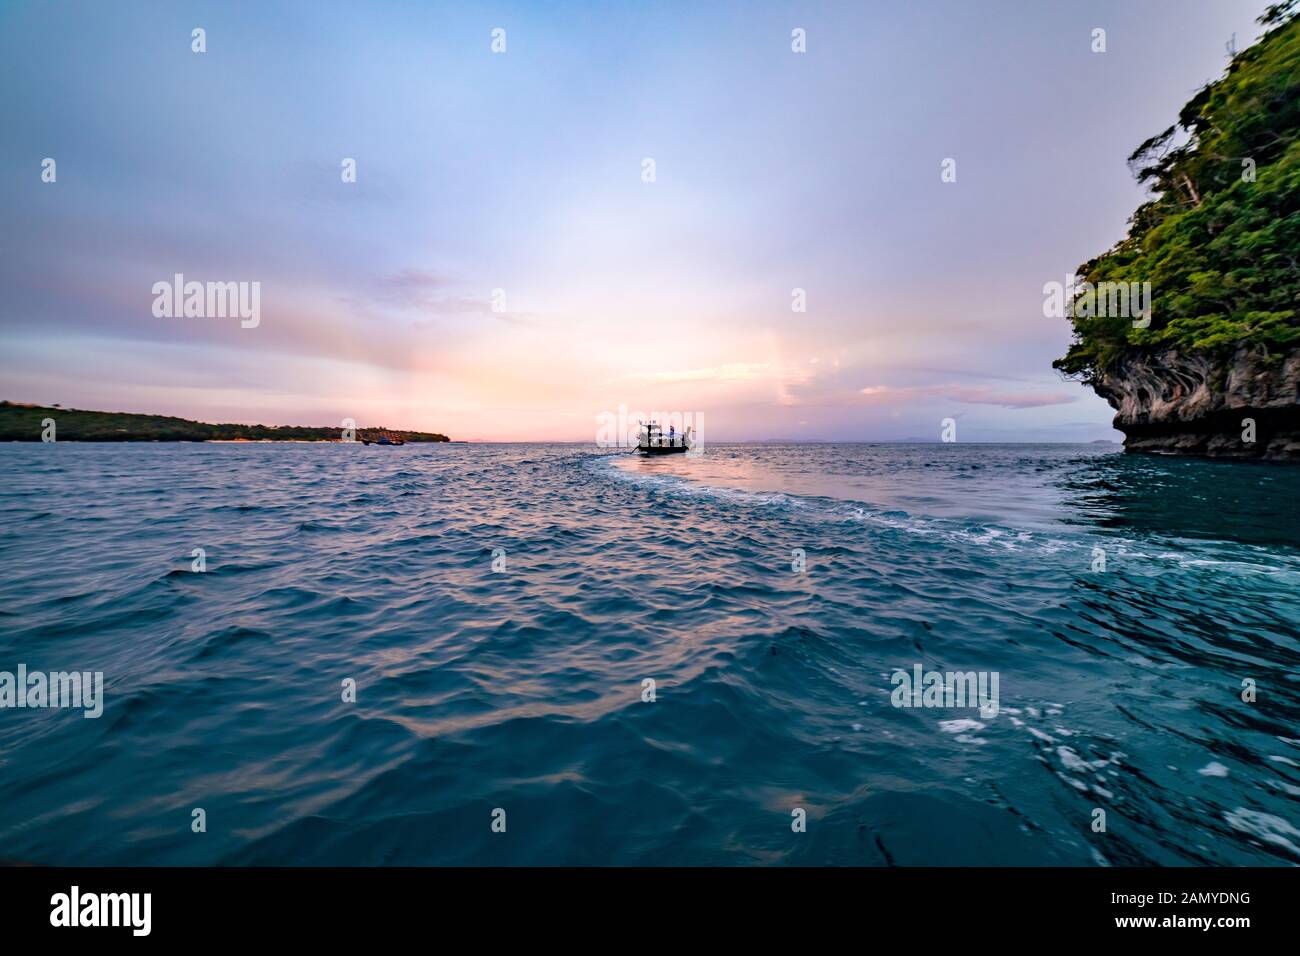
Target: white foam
1264, 826
959, 726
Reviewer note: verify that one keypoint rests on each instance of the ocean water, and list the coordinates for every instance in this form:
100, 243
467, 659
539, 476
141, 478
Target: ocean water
500, 606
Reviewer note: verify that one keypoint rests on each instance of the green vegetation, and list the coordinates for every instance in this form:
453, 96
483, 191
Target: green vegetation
1220, 247
20, 422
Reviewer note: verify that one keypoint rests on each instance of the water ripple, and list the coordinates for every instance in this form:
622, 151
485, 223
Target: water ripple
519, 685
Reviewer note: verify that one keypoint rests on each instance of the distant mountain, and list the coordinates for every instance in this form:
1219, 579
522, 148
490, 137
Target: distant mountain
21, 422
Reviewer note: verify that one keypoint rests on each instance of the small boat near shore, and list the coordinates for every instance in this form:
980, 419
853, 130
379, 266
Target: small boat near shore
653, 441
383, 438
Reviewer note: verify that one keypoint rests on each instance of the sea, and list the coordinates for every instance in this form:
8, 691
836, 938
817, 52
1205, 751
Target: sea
551, 654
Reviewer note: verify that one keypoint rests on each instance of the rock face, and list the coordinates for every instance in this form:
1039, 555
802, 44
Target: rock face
1176, 403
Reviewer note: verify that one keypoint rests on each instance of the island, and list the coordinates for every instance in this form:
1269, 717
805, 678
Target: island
1210, 364
23, 422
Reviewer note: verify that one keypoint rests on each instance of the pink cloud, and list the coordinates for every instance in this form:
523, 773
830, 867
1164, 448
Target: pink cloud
983, 395
971, 395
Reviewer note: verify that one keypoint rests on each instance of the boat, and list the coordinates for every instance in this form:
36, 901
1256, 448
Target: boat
653, 441
384, 439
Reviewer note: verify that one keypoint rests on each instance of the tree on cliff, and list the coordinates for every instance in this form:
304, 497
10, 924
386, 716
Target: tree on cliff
1219, 240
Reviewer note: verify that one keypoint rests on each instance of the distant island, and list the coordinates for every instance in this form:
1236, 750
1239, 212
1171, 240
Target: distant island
21, 422
1209, 364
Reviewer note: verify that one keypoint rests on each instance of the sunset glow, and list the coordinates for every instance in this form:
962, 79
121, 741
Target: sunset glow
500, 270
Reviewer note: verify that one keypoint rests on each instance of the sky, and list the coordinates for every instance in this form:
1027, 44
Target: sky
502, 270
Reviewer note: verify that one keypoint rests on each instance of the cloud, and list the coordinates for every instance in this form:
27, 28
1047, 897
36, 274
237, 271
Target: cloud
410, 288
971, 395
732, 372
983, 395
415, 279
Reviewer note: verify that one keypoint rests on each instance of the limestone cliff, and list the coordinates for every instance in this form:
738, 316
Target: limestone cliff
1218, 247
1189, 403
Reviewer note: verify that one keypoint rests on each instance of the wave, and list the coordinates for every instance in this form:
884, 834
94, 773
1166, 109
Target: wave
668, 659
